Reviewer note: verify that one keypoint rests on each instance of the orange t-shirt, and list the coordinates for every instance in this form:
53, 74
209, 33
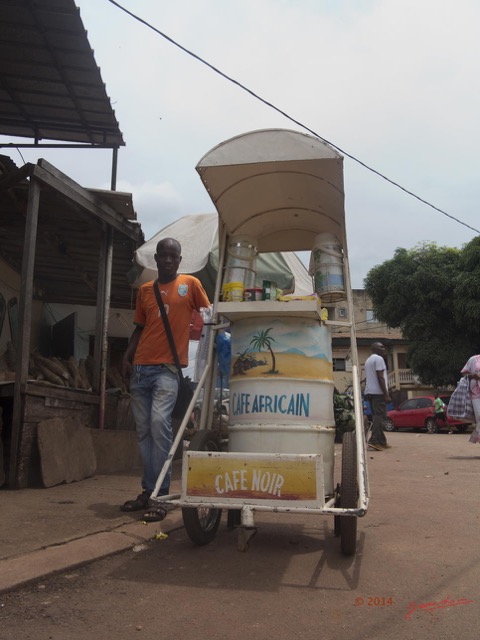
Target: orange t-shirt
181, 297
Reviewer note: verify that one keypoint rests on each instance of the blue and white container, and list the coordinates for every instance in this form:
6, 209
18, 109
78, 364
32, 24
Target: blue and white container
281, 389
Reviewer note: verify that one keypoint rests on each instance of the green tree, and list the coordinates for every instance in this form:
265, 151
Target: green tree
467, 290
432, 294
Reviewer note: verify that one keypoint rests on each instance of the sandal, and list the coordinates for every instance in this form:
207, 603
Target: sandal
156, 514
140, 503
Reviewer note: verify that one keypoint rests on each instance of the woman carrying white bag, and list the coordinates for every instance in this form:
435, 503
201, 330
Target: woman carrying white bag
471, 371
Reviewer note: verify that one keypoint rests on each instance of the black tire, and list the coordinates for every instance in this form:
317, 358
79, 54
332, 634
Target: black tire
349, 494
389, 426
462, 428
201, 523
431, 426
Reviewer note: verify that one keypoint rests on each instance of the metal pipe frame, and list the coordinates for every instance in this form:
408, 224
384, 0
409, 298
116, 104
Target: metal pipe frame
362, 470
327, 510
180, 433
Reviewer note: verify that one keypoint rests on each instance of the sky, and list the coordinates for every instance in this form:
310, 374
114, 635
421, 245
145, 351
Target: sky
393, 83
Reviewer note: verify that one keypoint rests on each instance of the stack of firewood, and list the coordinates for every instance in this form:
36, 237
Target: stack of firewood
64, 373
57, 371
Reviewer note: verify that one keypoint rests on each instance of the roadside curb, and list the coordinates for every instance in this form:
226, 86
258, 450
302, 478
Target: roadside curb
30, 567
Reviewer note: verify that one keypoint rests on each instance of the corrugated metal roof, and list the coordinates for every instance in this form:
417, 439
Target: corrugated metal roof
50, 85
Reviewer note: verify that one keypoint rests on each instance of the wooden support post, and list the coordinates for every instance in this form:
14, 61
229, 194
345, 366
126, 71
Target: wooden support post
24, 329
101, 327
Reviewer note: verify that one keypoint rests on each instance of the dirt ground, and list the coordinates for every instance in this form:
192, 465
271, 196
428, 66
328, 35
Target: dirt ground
414, 576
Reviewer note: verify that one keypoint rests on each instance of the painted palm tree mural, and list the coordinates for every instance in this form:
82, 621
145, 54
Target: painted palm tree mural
300, 350
264, 341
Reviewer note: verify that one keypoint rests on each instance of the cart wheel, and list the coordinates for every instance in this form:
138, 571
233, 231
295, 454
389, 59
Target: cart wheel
349, 494
201, 523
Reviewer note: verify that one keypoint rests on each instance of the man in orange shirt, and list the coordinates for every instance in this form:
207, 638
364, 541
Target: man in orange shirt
149, 365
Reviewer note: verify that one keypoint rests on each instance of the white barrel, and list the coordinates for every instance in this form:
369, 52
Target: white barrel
326, 266
241, 261
281, 389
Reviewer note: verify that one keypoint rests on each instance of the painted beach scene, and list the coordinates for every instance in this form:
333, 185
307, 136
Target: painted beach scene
278, 348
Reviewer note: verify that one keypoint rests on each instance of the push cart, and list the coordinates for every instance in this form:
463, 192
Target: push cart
275, 190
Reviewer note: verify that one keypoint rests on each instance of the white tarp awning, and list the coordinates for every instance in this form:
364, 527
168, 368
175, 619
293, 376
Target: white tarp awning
196, 234
199, 239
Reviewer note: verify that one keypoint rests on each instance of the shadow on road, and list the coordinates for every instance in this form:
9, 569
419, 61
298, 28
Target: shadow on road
281, 555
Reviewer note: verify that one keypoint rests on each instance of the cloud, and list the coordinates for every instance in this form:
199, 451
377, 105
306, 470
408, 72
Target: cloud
391, 83
159, 204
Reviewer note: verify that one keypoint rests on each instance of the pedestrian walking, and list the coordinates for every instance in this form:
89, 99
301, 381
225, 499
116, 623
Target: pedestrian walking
472, 371
439, 408
376, 392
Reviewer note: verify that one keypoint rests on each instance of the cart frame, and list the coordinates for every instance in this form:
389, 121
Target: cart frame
297, 152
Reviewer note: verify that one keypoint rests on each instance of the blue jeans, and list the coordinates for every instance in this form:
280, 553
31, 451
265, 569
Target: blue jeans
153, 392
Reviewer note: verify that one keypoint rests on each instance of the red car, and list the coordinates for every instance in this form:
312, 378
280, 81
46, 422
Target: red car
417, 413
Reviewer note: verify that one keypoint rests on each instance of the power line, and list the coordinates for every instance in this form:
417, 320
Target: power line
286, 115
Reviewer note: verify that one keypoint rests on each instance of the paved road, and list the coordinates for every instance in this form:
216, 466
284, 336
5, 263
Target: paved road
417, 544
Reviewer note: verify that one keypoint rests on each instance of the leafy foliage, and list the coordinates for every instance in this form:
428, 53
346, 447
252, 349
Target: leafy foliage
432, 294
467, 289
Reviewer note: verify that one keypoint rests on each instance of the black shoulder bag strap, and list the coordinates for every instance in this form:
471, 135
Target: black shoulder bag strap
168, 330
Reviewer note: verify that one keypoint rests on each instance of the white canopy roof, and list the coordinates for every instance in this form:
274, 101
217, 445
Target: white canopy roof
278, 186
198, 236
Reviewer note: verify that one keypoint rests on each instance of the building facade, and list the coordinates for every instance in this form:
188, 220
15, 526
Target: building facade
403, 383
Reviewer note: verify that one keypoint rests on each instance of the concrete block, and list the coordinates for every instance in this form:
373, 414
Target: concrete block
116, 451
66, 451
